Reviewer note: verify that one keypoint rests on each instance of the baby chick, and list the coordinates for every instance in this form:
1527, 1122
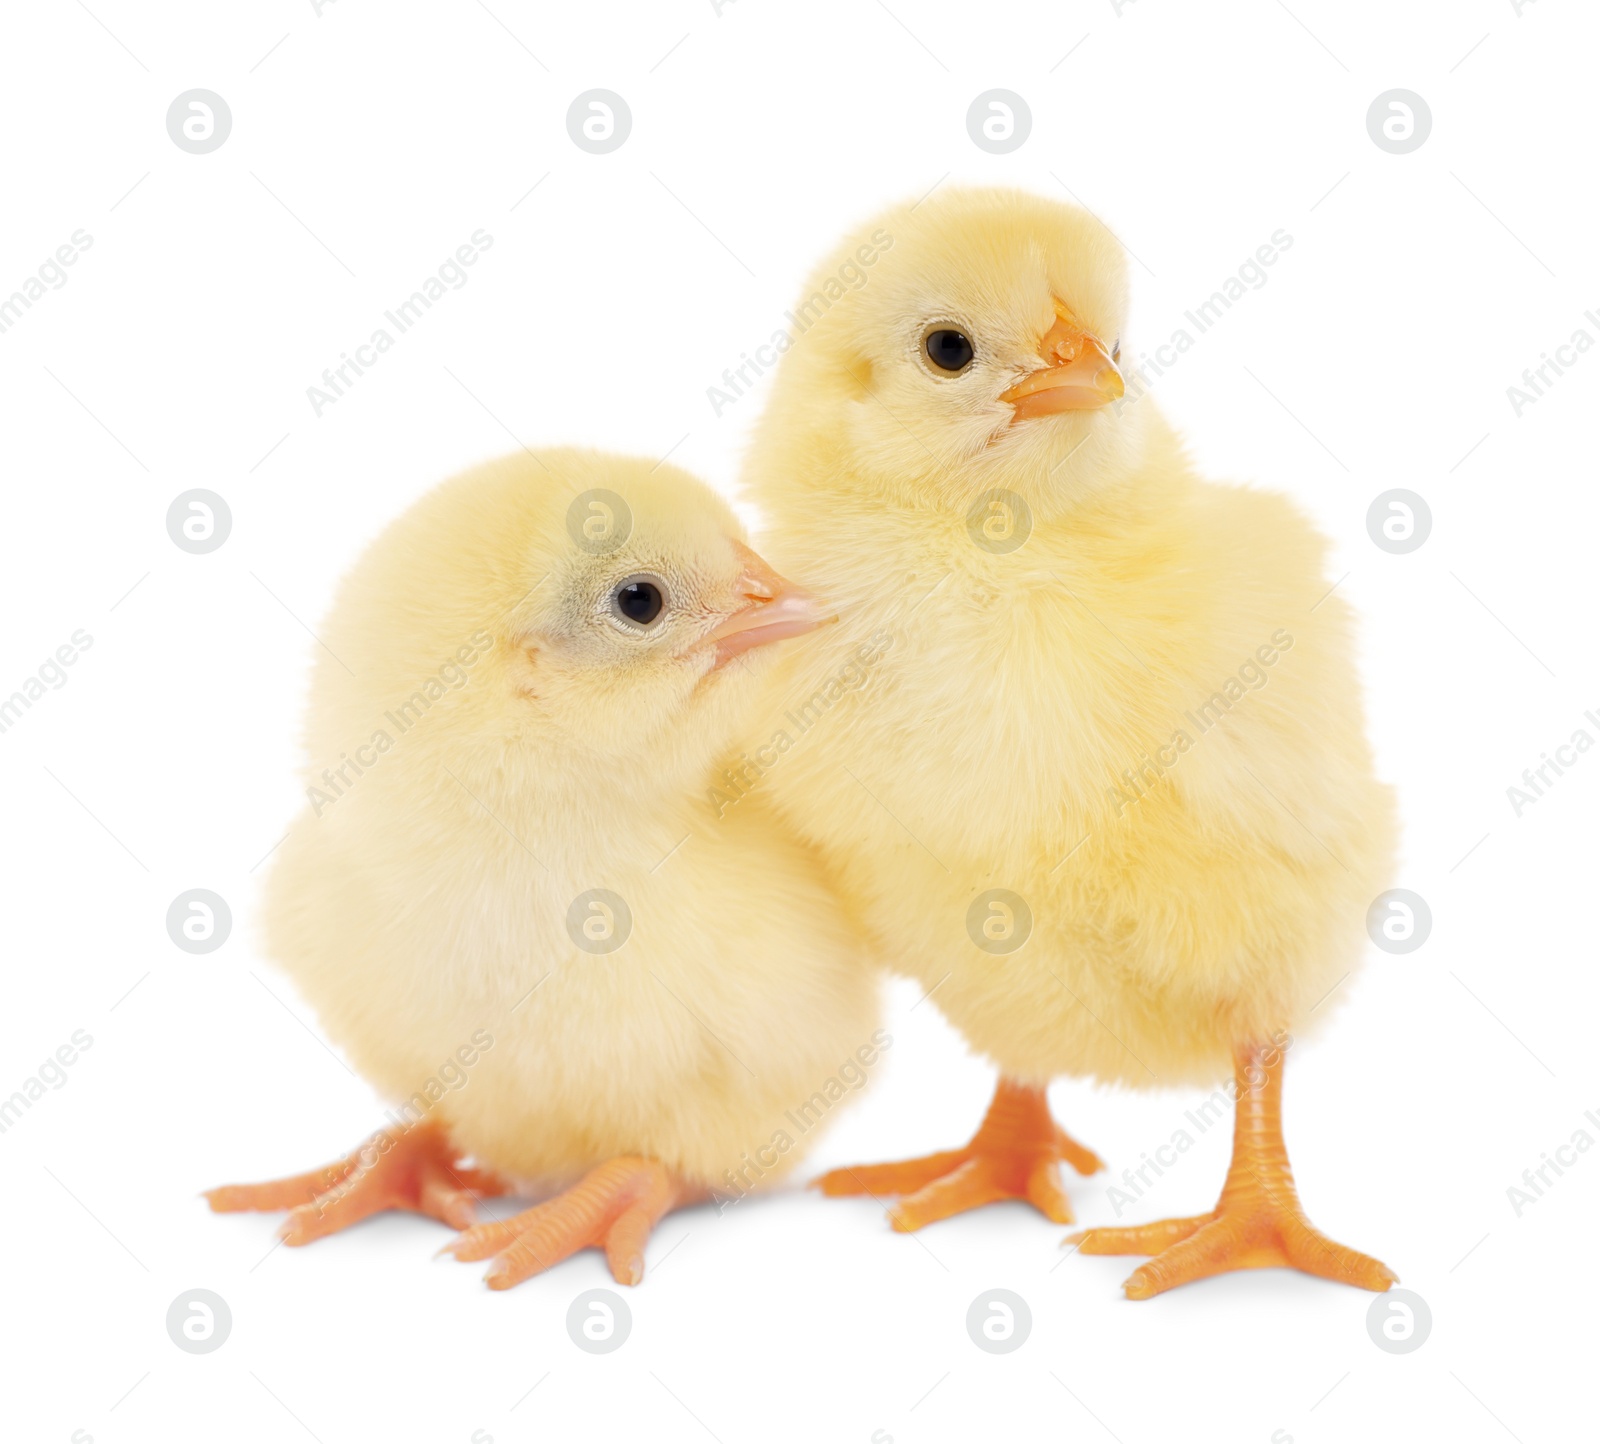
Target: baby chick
509, 900
1104, 790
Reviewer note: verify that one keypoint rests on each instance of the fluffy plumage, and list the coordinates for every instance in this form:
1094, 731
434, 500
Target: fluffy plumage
1104, 791
1007, 737
520, 746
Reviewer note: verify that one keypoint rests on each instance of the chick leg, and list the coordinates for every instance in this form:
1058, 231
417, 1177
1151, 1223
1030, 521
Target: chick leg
1015, 1153
414, 1169
1258, 1221
614, 1207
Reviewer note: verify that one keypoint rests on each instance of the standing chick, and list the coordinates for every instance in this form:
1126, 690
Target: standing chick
1105, 792
509, 901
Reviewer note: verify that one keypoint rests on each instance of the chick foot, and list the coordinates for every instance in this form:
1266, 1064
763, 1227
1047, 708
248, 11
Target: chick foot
414, 1169
614, 1207
1016, 1153
1258, 1221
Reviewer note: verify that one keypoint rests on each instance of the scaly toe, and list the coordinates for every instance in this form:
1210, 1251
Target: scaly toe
971, 1186
1144, 1238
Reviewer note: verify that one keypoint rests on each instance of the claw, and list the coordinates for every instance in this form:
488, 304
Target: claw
1257, 1223
1016, 1153
614, 1207
412, 1169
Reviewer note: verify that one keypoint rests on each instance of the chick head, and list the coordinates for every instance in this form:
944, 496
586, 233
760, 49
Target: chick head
979, 346
645, 613
606, 614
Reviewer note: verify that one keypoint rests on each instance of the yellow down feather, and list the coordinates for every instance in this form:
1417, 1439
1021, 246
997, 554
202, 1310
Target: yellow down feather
1144, 721
484, 747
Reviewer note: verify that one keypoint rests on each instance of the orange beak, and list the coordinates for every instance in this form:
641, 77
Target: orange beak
775, 609
1079, 374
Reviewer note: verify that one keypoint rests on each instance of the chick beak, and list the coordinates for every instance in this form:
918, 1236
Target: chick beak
774, 609
1079, 373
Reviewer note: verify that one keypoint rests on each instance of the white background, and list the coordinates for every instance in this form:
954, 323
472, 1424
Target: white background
367, 144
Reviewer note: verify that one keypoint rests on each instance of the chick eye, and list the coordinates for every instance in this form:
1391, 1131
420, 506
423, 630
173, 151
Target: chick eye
639, 600
948, 349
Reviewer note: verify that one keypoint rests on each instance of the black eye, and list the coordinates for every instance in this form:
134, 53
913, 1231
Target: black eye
638, 601
948, 349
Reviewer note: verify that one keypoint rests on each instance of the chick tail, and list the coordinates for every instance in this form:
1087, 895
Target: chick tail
1258, 1221
614, 1207
1016, 1153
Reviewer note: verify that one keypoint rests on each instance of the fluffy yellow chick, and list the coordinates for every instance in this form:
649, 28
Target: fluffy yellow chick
509, 901
1099, 779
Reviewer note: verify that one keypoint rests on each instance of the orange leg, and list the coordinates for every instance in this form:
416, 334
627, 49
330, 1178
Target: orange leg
1257, 1223
614, 1207
414, 1169
1015, 1153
